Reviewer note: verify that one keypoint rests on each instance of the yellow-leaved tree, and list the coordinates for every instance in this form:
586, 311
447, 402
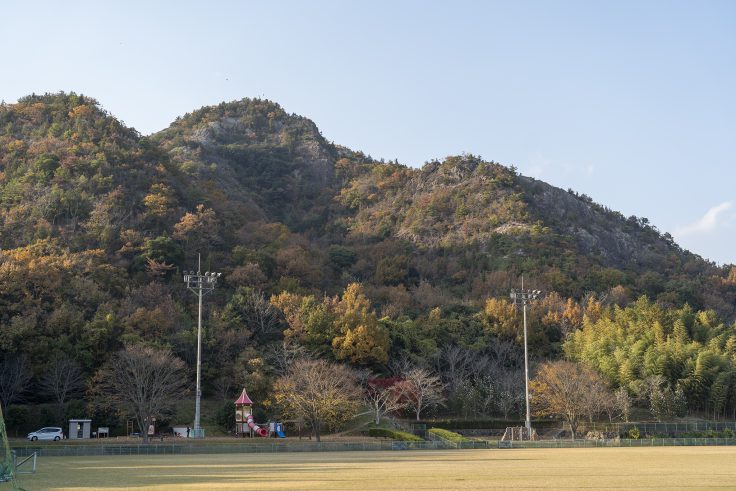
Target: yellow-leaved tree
362, 340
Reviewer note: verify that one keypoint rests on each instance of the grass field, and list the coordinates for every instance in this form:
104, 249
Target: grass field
659, 467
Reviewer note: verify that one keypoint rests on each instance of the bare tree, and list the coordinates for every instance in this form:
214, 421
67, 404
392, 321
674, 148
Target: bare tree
421, 390
142, 382
506, 354
15, 374
224, 386
399, 366
62, 381
255, 311
623, 403
453, 364
508, 393
283, 355
383, 397
479, 366
320, 393
598, 399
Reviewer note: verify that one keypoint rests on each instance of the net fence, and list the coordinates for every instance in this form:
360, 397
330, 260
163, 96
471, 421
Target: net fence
6, 458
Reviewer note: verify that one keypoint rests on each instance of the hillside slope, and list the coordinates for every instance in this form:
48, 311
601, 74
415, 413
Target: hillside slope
97, 222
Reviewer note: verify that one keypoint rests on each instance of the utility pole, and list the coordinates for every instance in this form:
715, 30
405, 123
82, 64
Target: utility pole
201, 285
525, 297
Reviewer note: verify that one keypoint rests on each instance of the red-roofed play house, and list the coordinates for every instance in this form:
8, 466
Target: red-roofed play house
244, 423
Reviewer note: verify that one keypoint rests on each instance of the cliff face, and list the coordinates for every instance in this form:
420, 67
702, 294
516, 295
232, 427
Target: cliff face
615, 240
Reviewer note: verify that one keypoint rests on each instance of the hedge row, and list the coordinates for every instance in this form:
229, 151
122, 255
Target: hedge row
448, 435
393, 434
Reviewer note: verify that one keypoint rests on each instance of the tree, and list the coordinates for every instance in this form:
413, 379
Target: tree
140, 381
383, 397
508, 391
63, 380
623, 403
598, 398
323, 394
250, 308
282, 356
499, 318
197, 230
454, 363
664, 402
311, 322
15, 373
563, 389
421, 390
362, 340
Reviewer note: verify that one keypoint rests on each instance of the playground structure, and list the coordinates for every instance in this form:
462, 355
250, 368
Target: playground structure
245, 424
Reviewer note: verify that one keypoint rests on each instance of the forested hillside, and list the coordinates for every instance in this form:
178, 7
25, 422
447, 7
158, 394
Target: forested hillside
368, 262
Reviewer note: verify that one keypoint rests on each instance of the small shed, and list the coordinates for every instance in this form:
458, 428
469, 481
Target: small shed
80, 428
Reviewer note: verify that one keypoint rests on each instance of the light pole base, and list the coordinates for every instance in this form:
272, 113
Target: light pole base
197, 433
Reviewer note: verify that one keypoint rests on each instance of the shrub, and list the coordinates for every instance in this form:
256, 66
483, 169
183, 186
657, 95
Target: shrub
225, 416
634, 433
393, 434
448, 435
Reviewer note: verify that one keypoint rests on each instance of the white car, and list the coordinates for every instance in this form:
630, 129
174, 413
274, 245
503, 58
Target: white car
49, 433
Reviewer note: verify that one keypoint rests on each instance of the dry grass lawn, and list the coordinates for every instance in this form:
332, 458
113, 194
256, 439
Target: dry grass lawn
659, 467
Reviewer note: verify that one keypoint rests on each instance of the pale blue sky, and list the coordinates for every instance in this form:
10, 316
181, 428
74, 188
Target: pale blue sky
632, 103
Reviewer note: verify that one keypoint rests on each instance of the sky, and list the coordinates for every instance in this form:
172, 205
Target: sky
632, 103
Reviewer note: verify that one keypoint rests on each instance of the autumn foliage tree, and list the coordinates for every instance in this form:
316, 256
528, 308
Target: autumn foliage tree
310, 321
361, 340
564, 389
198, 230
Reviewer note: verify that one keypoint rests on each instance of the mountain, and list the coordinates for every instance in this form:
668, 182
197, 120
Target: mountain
97, 222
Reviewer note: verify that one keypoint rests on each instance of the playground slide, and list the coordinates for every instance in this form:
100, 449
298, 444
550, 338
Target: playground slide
259, 431
281, 434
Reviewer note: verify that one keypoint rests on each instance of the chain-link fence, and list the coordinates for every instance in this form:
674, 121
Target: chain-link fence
648, 442
645, 428
276, 447
6, 458
178, 449
663, 428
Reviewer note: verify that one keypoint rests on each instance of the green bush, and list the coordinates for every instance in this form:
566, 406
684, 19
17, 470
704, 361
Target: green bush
634, 433
448, 435
393, 434
225, 416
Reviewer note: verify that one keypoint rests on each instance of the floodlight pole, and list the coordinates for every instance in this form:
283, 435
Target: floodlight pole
200, 284
526, 296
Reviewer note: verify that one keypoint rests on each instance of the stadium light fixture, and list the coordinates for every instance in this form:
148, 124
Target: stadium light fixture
201, 285
525, 297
